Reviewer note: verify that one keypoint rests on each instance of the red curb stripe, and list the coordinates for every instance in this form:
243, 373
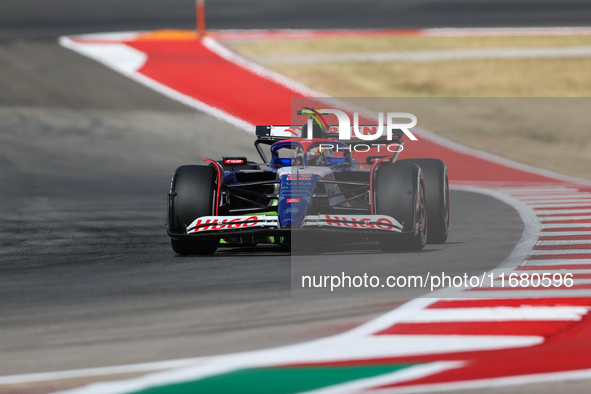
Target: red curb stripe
192, 69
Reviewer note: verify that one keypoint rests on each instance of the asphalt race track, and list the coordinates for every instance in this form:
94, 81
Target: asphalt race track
87, 277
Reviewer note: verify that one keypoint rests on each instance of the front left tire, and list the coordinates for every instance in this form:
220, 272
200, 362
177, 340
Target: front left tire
191, 196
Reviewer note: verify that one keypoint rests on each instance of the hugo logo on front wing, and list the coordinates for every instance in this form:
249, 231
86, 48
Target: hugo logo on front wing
210, 223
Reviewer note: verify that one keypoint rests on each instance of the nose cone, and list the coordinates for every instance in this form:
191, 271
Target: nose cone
294, 197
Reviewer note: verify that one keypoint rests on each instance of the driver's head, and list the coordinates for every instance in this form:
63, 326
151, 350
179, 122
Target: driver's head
317, 130
315, 157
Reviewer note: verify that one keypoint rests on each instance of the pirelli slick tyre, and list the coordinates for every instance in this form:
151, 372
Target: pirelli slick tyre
400, 193
191, 196
437, 186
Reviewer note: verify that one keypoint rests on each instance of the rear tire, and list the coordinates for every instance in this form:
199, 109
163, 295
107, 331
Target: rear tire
191, 196
400, 193
437, 186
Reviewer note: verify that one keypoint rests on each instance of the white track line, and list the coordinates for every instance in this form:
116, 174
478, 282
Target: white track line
561, 251
556, 198
509, 293
535, 191
576, 203
558, 262
564, 225
564, 233
556, 218
566, 242
496, 314
101, 371
541, 212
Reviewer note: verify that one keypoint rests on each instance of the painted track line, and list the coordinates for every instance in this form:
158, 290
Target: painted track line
100, 371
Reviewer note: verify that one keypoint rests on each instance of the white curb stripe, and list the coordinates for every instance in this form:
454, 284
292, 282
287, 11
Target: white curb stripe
564, 233
561, 251
535, 191
582, 203
508, 292
558, 262
556, 218
564, 225
557, 197
101, 371
543, 212
566, 242
496, 314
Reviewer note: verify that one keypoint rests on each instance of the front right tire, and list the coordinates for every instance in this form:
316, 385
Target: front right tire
437, 187
401, 194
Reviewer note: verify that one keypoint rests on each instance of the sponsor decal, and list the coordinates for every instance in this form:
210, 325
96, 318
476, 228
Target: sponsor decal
300, 177
293, 200
234, 161
212, 223
378, 222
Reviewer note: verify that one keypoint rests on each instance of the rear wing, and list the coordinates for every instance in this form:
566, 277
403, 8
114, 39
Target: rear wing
283, 132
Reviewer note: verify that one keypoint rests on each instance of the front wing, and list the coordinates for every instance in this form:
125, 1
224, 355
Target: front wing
218, 227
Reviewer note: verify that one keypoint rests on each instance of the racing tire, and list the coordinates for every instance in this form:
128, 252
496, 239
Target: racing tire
437, 186
400, 193
191, 196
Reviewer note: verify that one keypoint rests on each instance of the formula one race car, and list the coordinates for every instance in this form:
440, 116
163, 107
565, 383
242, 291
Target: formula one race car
313, 187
